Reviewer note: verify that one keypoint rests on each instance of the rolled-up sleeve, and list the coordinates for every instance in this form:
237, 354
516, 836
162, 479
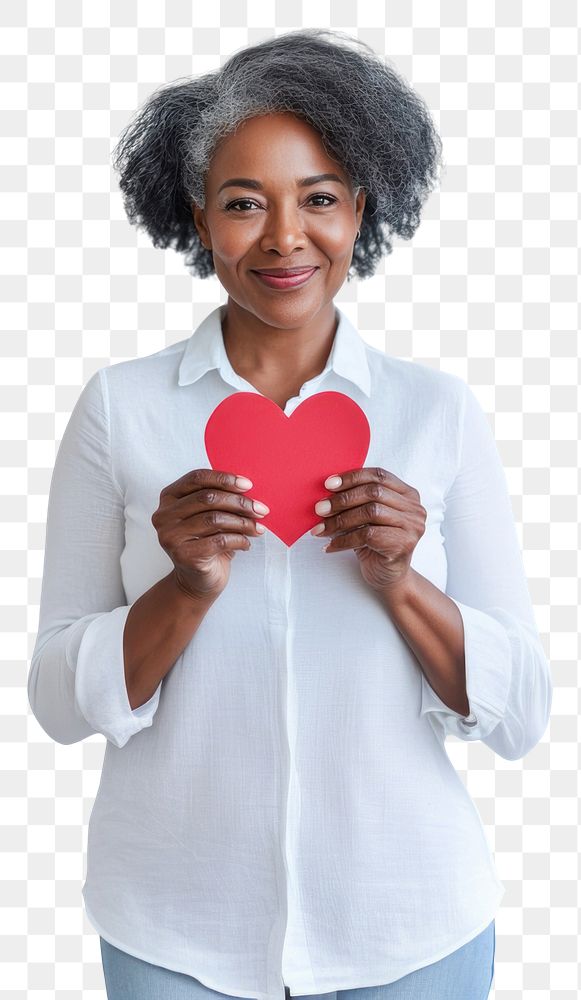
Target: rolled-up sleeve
508, 676
76, 682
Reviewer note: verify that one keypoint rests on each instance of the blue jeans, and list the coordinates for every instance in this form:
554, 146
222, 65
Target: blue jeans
466, 974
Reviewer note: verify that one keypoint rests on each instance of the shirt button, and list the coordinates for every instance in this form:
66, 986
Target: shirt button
469, 720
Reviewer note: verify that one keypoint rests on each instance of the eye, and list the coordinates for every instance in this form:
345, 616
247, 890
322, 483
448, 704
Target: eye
327, 196
248, 201
241, 201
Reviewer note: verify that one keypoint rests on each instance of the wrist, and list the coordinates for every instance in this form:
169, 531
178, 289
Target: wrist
187, 597
398, 591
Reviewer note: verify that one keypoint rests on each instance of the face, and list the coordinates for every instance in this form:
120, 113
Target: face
278, 222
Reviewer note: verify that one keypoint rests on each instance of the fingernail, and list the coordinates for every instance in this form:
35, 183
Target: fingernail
243, 482
259, 507
317, 529
332, 482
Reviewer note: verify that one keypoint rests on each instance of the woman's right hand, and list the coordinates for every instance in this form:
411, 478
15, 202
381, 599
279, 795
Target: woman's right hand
201, 521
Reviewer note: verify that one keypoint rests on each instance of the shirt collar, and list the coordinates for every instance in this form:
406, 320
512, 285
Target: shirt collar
205, 350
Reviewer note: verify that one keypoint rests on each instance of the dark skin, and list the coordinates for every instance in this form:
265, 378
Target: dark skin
277, 340
382, 519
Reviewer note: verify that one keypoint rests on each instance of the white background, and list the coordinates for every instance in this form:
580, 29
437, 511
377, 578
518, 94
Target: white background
487, 289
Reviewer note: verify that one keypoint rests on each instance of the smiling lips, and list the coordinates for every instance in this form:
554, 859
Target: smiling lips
279, 277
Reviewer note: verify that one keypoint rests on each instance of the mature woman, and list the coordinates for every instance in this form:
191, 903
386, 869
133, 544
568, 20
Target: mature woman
277, 811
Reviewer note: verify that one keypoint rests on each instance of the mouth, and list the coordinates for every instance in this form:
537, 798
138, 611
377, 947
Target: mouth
285, 278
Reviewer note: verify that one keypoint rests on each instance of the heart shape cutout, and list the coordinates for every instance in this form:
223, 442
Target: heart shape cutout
287, 458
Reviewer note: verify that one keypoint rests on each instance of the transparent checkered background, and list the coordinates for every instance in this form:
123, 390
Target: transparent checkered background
487, 289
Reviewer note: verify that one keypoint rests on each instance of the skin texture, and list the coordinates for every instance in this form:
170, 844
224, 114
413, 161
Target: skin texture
277, 341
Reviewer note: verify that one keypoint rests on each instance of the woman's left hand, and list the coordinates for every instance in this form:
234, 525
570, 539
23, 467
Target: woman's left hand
379, 516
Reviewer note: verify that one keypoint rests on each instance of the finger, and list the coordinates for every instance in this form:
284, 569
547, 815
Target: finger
214, 522
198, 479
368, 493
371, 474
356, 517
377, 537
215, 499
208, 546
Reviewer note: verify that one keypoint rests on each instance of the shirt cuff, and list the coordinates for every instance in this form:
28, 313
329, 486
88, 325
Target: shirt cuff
100, 688
488, 660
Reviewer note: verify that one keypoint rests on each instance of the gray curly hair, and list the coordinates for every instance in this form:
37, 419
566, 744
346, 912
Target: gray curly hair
369, 119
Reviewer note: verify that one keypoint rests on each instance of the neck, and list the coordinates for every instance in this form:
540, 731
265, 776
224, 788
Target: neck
288, 355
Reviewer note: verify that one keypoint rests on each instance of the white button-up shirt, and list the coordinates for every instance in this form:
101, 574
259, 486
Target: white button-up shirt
283, 809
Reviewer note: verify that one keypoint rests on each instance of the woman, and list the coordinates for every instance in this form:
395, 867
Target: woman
277, 812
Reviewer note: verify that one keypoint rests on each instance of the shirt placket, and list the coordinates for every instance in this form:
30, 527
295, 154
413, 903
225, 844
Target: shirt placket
294, 956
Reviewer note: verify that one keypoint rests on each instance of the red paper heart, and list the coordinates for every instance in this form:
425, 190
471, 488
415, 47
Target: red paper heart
287, 458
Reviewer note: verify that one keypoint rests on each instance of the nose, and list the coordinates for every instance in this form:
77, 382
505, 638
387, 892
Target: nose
283, 231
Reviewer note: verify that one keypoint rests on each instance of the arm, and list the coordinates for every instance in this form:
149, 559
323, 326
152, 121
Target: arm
508, 679
431, 624
158, 628
77, 683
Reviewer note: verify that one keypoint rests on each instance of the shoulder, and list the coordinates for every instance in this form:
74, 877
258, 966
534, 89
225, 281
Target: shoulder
415, 381
137, 377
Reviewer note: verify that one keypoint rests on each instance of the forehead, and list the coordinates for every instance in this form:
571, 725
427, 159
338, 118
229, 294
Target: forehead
278, 142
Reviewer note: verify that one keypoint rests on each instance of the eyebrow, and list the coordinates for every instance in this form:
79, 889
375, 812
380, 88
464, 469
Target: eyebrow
248, 182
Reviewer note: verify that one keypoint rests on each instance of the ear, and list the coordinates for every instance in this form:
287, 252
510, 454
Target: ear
199, 217
360, 205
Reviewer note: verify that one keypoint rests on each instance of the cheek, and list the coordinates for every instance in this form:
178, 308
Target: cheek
231, 242
334, 236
